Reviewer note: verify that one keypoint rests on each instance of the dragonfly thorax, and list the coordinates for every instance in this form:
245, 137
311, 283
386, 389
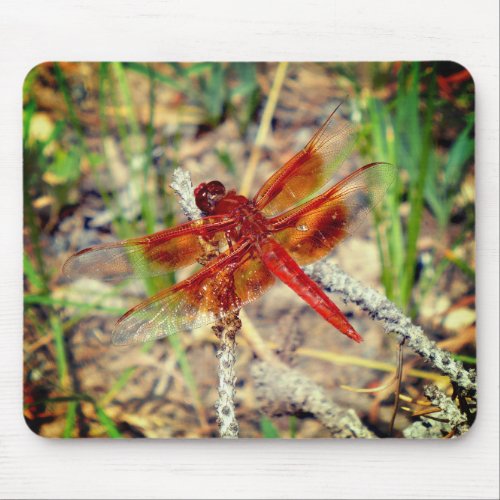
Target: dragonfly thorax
213, 199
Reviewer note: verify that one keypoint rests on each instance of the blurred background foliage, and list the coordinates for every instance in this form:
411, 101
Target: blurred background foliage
100, 143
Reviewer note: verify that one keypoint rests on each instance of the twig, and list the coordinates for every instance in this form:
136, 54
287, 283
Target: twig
225, 328
333, 279
449, 410
449, 420
276, 385
397, 392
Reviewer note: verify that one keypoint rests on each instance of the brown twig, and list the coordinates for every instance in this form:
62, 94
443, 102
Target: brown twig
397, 392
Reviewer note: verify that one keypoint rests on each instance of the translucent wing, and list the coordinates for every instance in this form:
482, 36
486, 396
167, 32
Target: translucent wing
310, 231
151, 255
309, 170
226, 284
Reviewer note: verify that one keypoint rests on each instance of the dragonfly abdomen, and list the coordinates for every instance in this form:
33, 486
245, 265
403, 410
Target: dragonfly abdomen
279, 262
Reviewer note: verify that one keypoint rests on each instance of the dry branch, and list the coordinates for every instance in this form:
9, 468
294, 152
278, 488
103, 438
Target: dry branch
279, 385
225, 329
449, 410
449, 419
333, 279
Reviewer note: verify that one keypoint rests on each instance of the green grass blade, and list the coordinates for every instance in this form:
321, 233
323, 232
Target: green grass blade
391, 244
120, 224
70, 425
73, 118
60, 349
292, 425
160, 77
119, 384
460, 153
107, 423
268, 429
28, 112
187, 373
225, 158
417, 197
214, 93
32, 275
148, 199
180, 355
471, 360
126, 97
31, 220
49, 300
463, 266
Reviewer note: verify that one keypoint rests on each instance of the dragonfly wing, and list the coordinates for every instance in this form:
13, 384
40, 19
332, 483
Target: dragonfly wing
309, 170
225, 285
152, 255
310, 231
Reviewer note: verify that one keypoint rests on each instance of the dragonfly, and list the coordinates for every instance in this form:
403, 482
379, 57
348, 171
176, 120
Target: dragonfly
285, 226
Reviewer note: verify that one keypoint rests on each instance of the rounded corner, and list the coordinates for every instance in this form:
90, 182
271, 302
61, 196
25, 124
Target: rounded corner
33, 69
31, 428
466, 434
462, 67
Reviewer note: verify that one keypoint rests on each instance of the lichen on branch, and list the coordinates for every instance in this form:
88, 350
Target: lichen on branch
333, 279
225, 328
289, 390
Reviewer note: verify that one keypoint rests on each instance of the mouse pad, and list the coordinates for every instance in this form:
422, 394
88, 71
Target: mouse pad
267, 250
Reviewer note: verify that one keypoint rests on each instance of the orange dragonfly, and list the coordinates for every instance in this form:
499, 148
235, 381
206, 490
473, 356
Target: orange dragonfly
267, 237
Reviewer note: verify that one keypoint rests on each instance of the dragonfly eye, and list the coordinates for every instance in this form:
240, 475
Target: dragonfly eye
208, 195
216, 188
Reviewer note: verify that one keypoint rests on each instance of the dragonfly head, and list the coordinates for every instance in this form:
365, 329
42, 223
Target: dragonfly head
207, 195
